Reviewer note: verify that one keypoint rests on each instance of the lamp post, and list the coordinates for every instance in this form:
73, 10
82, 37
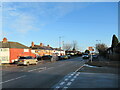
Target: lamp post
60, 44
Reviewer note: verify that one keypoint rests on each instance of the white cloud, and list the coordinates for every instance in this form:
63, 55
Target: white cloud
19, 21
24, 23
23, 17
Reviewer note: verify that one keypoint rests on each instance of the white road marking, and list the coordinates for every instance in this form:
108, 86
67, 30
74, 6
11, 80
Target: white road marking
65, 87
62, 83
66, 79
72, 74
72, 80
69, 76
50, 68
36, 69
41, 70
77, 75
13, 79
69, 83
78, 68
78, 72
57, 87
74, 77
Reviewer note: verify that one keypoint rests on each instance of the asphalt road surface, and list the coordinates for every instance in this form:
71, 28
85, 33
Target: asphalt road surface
39, 76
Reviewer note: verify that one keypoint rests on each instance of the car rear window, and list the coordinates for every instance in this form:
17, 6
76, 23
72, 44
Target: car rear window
26, 57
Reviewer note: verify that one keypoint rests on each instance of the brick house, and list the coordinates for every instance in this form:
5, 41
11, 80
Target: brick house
11, 51
41, 50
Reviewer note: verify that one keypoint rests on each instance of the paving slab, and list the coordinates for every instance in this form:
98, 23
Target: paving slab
95, 80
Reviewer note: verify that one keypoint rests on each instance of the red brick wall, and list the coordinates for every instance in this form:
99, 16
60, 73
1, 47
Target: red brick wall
15, 53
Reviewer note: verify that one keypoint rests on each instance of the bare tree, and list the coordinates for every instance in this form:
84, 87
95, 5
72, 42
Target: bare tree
67, 46
75, 46
101, 48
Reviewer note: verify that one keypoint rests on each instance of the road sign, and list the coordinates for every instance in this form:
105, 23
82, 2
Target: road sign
90, 49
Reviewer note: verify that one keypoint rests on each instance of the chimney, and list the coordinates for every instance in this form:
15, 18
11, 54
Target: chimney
41, 44
32, 44
4, 40
48, 45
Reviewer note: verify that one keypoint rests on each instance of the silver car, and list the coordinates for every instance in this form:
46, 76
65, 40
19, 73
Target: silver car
27, 60
85, 56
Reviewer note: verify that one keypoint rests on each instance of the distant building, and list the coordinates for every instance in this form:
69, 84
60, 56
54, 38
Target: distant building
11, 51
59, 51
41, 50
73, 52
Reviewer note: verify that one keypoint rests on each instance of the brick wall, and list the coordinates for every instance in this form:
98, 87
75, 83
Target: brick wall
16, 53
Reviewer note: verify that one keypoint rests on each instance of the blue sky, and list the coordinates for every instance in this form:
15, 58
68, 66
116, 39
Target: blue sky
44, 22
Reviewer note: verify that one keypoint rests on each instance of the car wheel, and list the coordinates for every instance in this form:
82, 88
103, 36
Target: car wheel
36, 63
27, 64
18, 64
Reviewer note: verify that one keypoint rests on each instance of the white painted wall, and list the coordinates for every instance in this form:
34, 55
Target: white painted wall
56, 51
4, 55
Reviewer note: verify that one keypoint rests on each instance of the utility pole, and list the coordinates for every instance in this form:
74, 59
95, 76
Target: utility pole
60, 44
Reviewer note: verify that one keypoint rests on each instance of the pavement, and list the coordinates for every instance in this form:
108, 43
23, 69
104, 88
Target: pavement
90, 77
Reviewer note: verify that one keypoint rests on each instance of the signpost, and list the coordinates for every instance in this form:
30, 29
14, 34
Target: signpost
91, 49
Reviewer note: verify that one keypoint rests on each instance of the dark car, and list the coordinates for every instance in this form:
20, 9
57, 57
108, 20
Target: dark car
95, 56
39, 58
69, 56
59, 57
46, 57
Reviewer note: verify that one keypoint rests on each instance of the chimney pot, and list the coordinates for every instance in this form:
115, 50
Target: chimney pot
41, 44
48, 45
32, 44
4, 40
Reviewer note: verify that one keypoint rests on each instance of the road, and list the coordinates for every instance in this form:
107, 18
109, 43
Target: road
39, 76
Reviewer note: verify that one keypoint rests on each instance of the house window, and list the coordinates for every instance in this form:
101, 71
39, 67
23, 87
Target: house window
3, 49
26, 50
36, 51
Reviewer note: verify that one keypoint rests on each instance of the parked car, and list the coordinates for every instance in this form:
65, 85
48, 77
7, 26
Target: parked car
95, 56
46, 57
27, 60
63, 57
39, 58
85, 56
69, 56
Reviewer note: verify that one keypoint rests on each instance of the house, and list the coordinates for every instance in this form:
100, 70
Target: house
41, 50
73, 53
59, 51
11, 51
114, 53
